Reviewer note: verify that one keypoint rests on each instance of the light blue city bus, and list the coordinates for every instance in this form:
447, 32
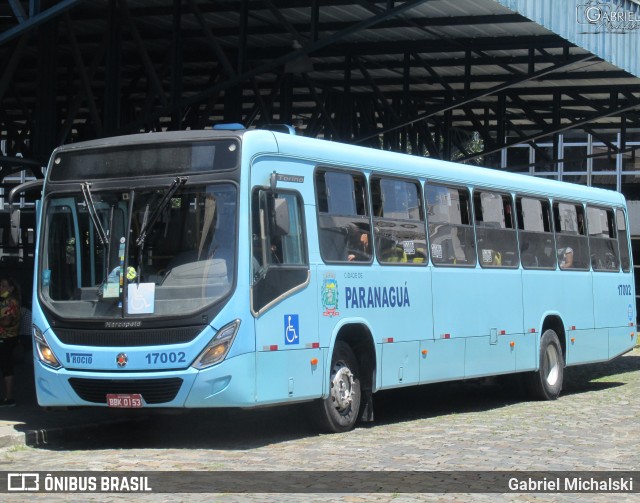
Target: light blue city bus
243, 268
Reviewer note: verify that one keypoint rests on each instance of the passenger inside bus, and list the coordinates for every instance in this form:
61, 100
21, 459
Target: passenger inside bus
357, 244
565, 257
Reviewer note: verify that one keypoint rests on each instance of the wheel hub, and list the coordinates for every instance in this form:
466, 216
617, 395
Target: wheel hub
552, 369
342, 388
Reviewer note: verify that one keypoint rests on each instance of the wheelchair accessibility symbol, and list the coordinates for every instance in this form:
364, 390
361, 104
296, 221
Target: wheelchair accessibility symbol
141, 298
291, 329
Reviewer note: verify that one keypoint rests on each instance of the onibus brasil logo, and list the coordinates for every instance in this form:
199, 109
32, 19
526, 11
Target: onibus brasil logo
611, 16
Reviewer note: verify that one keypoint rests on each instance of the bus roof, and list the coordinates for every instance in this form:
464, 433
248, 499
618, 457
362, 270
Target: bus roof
337, 154
341, 154
146, 138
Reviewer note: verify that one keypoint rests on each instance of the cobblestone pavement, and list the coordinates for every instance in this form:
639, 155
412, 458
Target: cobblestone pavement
593, 426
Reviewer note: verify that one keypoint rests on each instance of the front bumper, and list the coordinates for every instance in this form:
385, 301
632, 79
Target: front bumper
231, 383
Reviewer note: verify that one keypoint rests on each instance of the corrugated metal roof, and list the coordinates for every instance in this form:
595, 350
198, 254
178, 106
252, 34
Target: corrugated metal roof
360, 69
610, 29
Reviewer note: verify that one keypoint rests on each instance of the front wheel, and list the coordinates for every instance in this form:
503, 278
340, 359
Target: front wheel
546, 382
339, 411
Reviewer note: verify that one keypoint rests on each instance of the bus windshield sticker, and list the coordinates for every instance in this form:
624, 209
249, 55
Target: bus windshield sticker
111, 291
141, 298
409, 247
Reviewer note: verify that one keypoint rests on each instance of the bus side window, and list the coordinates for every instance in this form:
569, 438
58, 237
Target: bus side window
451, 236
344, 228
61, 243
623, 241
400, 236
571, 238
537, 247
495, 234
602, 239
279, 253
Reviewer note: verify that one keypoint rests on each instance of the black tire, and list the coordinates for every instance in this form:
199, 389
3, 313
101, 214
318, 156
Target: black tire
339, 411
546, 382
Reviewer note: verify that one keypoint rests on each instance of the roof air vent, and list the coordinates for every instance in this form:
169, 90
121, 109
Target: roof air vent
279, 128
228, 127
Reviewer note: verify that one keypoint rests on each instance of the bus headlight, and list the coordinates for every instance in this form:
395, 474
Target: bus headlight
218, 348
45, 353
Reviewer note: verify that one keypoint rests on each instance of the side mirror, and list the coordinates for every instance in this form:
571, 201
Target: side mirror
281, 216
14, 239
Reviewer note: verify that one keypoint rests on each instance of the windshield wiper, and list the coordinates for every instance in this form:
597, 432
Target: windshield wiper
91, 208
148, 221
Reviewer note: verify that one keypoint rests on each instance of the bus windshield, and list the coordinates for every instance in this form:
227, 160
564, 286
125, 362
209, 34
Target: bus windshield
161, 251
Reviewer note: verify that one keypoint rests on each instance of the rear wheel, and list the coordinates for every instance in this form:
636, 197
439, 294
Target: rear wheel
339, 411
546, 382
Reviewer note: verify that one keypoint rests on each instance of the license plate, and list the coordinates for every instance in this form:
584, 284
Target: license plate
133, 401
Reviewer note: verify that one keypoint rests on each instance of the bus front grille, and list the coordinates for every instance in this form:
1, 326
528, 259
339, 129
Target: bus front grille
127, 338
154, 391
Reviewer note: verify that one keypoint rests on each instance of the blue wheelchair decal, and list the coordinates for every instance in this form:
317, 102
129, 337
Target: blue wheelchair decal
291, 329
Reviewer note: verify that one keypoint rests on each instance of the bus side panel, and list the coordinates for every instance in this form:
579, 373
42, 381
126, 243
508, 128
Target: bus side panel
621, 340
284, 334
526, 346
287, 338
443, 360
295, 374
400, 364
484, 357
472, 302
485, 307
585, 346
395, 301
291, 323
406, 324
615, 300
567, 294
454, 303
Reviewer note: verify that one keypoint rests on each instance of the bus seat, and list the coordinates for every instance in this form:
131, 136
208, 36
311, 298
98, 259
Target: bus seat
509, 258
182, 258
459, 254
420, 257
529, 260
394, 254
194, 273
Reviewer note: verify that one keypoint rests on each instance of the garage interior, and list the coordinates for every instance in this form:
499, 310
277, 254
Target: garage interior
540, 87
